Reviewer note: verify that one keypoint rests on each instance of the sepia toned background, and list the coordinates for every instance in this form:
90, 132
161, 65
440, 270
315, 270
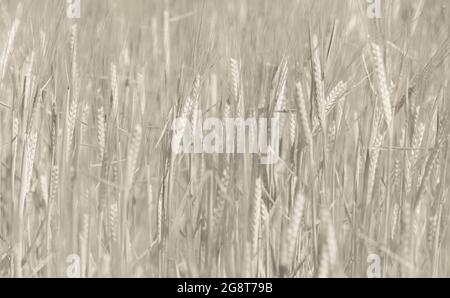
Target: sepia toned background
89, 185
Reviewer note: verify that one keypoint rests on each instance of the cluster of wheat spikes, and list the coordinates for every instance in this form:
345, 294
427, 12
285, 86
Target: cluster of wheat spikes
88, 180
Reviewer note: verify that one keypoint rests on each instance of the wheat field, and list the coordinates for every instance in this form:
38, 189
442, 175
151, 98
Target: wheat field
90, 185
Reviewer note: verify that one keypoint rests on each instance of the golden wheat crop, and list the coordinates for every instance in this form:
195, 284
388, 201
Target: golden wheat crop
90, 185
